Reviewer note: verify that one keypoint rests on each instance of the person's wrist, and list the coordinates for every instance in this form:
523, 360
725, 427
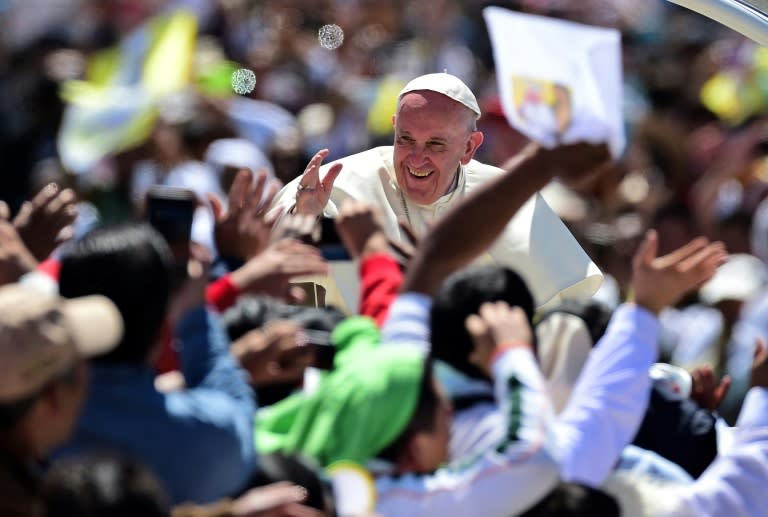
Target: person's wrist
506, 346
376, 243
302, 204
648, 304
242, 279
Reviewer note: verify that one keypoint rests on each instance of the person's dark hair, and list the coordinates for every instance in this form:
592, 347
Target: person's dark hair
132, 266
573, 500
423, 419
299, 470
461, 295
252, 312
103, 485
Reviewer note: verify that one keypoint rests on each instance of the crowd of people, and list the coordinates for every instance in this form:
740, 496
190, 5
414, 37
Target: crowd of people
537, 331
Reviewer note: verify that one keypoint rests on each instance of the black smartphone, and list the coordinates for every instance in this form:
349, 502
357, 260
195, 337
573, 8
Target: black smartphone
170, 211
330, 243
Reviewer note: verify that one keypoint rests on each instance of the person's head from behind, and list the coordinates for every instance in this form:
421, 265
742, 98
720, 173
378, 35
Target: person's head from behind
574, 500
435, 133
301, 471
460, 296
103, 485
639, 494
44, 343
381, 403
423, 445
132, 266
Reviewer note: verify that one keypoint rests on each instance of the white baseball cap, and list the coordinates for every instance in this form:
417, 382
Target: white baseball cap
445, 84
238, 152
740, 278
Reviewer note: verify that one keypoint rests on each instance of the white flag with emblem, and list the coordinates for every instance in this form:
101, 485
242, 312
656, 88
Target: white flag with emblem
559, 81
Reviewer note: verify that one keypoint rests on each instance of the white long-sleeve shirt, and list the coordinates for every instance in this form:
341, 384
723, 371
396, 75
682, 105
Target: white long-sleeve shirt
602, 415
502, 481
736, 483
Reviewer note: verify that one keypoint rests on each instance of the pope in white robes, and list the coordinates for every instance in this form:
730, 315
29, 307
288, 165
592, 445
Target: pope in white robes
429, 168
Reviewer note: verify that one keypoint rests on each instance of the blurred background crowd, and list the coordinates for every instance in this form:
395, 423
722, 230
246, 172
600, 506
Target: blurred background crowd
108, 97
697, 159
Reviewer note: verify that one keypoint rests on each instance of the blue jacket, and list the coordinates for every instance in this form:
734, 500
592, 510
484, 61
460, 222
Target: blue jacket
198, 441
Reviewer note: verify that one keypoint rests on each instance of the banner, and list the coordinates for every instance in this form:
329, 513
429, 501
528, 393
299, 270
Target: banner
559, 81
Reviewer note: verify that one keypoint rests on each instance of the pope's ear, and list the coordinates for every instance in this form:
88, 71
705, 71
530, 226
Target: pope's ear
473, 143
394, 119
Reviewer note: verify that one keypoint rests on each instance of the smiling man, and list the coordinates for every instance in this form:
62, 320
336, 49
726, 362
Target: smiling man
428, 169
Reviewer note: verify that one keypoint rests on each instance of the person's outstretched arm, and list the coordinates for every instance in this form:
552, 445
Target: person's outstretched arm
611, 394
473, 224
515, 473
735, 483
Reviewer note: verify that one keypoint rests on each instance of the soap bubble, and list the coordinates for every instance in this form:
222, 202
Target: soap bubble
330, 36
243, 81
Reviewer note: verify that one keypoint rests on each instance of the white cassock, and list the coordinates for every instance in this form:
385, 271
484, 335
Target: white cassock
535, 243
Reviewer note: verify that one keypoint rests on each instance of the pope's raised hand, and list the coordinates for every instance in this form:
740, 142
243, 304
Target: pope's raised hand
313, 192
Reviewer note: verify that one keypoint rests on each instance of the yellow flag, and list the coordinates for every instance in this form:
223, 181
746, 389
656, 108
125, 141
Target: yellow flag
116, 106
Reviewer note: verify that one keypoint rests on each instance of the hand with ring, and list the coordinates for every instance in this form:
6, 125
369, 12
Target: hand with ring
313, 193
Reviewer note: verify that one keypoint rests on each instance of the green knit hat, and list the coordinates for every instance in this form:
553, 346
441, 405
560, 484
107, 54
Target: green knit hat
358, 409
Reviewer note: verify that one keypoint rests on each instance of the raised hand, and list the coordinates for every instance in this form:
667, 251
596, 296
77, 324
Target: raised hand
497, 327
659, 282
360, 228
243, 230
47, 220
759, 376
275, 500
578, 163
281, 499
300, 227
274, 354
312, 193
405, 248
706, 391
271, 271
15, 258
574, 164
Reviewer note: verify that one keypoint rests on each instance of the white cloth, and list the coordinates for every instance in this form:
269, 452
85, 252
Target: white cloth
610, 397
536, 243
690, 336
566, 86
604, 411
563, 346
504, 480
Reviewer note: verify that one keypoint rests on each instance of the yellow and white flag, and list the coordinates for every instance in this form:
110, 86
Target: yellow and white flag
115, 107
559, 81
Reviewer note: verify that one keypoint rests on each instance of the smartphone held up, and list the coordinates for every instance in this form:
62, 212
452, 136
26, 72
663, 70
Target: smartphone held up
170, 210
